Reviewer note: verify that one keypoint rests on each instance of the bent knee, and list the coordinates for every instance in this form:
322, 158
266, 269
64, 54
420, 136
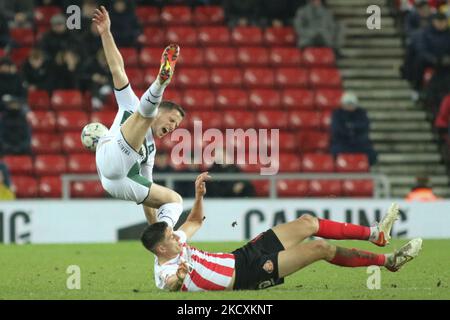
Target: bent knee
310, 222
325, 249
175, 197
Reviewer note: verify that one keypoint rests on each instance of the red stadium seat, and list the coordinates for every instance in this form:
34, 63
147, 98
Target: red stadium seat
173, 95
19, 164
42, 121
317, 162
22, 36
352, 162
289, 162
325, 120
19, 55
314, 141
325, 77
198, 99
271, 119
43, 14
286, 142
249, 168
231, 98
130, 57
262, 187
50, 187
285, 57
325, 188
182, 35
264, 99
50, 165
154, 36
150, 56
45, 143
306, 120
192, 78
104, 117
318, 57
86, 189
226, 77
291, 77
298, 99
358, 188
247, 36
148, 15
280, 36
292, 188
172, 15
328, 98
81, 163
38, 100
66, 99
208, 15
209, 119
253, 56
214, 36
71, 142
191, 57
71, 120
259, 77
24, 186
220, 56
136, 77
238, 119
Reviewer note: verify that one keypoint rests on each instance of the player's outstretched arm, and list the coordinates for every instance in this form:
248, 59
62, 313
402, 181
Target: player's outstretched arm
112, 53
195, 219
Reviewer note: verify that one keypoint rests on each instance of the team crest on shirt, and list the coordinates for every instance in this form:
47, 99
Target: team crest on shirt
268, 266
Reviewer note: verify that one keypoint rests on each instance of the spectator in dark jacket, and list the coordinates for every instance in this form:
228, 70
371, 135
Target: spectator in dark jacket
350, 129
18, 13
124, 26
15, 132
10, 81
91, 41
418, 18
5, 39
277, 13
65, 72
242, 12
35, 71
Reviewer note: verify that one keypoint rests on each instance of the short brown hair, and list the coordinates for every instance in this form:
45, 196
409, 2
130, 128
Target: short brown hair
169, 105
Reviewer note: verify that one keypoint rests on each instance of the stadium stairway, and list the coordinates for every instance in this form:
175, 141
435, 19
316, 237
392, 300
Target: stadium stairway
401, 132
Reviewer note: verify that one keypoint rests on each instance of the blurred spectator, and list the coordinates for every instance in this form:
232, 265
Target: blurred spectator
5, 39
5, 191
350, 129
10, 80
87, 13
58, 38
91, 41
445, 9
185, 188
242, 12
418, 18
124, 26
442, 122
35, 71
96, 78
422, 191
19, 14
65, 72
277, 13
15, 132
6, 176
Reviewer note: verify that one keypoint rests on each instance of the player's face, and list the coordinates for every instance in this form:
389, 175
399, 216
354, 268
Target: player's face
167, 122
172, 242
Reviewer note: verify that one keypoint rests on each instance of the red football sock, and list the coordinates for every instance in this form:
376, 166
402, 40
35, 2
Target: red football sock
337, 230
357, 258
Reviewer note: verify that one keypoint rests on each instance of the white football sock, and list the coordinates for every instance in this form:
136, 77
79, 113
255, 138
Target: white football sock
374, 233
170, 213
148, 106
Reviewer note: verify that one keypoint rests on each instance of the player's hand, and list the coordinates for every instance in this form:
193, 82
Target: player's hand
182, 271
200, 186
101, 20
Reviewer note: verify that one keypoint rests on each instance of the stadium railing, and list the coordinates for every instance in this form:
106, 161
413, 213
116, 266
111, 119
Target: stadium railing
382, 185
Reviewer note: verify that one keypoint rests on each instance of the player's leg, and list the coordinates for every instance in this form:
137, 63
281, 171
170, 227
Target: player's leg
292, 233
168, 203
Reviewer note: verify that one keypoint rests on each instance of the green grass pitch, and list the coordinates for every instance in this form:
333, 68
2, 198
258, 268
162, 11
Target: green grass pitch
125, 271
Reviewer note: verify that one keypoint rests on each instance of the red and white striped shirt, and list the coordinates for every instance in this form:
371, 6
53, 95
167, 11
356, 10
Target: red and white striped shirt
210, 271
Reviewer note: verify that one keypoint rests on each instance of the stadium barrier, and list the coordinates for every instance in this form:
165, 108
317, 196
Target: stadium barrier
382, 185
78, 221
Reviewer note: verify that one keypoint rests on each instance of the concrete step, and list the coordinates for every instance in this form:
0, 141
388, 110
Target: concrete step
370, 63
399, 136
389, 105
380, 94
363, 31
401, 192
392, 84
357, 11
362, 21
415, 126
345, 3
410, 169
396, 115
371, 52
370, 73
406, 147
438, 180
409, 158
374, 42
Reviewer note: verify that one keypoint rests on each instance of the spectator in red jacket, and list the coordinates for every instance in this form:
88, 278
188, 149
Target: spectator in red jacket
442, 121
